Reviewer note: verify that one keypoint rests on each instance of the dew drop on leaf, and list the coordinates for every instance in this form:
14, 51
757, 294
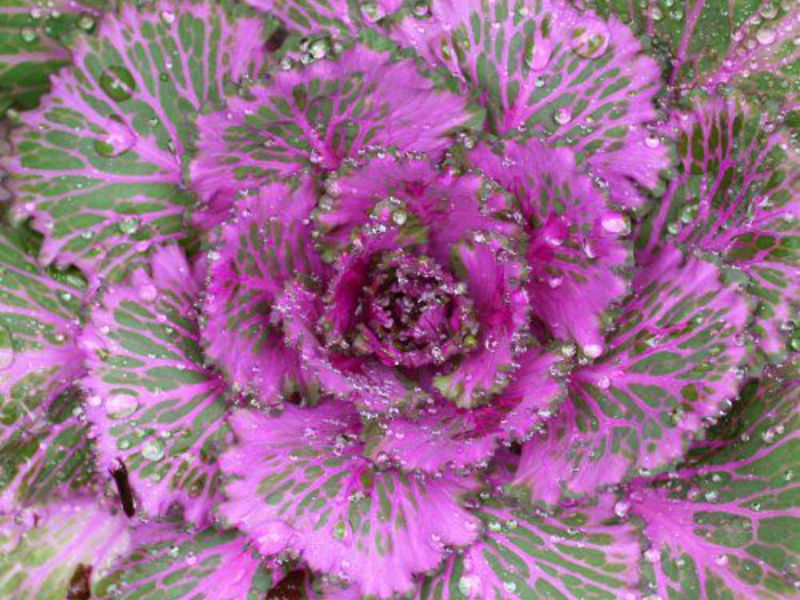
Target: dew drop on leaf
118, 83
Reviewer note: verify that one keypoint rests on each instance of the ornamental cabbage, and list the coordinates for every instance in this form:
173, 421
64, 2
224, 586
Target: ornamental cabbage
400, 299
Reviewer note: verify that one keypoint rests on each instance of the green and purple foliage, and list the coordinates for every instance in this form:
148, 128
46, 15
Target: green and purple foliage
400, 300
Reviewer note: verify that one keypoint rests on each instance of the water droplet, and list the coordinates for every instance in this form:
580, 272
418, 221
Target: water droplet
319, 48
769, 11
118, 83
538, 56
593, 350
591, 39
766, 36
621, 509
399, 217
615, 223
153, 449
86, 22
372, 11
563, 115
422, 9
120, 405
28, 35
469, 585
652, 141
129, 225
148, 293
119, 138
652, 555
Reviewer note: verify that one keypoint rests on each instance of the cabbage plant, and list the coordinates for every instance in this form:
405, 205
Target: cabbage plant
400, 299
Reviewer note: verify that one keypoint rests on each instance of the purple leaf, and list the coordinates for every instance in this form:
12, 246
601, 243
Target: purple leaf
262, 248
736, 170
301, 483
575, 248
502, 309
98, 165
727, 525
157, 410
548, 71
313, 118
443, 435
573, 553
671, 362
48, 551
182, 563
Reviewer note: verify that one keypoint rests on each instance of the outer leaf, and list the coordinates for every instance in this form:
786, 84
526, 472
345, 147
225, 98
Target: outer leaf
728, 525
544, 70
171, 563
301, 484
99, 165
264, 246
764, 60
572, 554
709, 42
575, 248
317, 116
737, 171
671, 363
154, 404
337, 18
58, 549
31, 50
41, 444
48, 453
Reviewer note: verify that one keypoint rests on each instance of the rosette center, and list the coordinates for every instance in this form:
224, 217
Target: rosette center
411, 312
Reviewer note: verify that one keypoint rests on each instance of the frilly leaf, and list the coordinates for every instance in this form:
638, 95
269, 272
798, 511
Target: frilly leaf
576, 248
737, 195
315, 117
572, 554
33, 34
51, 552
156, 408
442, 435
265, 245
300, 484
98, 165
42, 445
544, 70
174, 562
749, 45
727, 525
671, 363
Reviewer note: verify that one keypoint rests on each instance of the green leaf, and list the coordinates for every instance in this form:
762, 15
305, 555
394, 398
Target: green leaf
58, 549
99, 165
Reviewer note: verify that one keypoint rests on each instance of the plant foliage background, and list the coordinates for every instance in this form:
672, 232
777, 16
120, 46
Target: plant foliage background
453, 299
